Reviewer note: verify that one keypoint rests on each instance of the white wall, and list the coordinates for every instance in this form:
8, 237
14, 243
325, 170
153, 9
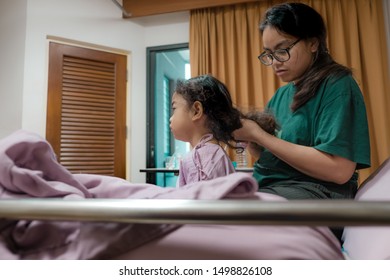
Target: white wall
12, 34
92, 21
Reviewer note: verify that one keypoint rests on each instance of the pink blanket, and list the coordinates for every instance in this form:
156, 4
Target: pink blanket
29, 169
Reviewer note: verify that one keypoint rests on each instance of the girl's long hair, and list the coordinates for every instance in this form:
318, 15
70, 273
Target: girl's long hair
222, 117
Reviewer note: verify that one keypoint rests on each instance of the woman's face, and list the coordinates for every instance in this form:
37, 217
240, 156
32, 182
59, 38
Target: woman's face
180, 121
301, 54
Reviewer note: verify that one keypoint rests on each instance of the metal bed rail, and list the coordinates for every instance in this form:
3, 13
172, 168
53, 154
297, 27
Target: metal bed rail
179, 211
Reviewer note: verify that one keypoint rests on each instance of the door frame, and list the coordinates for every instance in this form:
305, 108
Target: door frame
53, 115
150, 108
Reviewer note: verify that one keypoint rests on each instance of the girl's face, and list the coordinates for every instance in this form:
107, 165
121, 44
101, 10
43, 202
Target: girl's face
181, 119
301, 54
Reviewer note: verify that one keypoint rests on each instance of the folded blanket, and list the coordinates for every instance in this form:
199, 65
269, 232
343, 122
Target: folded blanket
28, 168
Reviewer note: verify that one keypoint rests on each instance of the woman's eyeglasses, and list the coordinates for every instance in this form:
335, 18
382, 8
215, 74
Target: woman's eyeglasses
280, 55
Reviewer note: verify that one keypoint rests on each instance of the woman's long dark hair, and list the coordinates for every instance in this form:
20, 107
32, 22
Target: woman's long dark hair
222, 117
302, 21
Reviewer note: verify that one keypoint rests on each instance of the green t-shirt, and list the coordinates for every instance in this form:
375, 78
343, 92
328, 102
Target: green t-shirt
333, 121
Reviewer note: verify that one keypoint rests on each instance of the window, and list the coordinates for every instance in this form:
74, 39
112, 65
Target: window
166, 64
166, 115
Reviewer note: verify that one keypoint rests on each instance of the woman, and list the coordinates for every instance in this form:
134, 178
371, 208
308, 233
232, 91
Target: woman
323, 137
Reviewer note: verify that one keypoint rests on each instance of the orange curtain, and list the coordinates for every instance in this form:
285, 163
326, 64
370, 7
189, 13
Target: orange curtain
226, 41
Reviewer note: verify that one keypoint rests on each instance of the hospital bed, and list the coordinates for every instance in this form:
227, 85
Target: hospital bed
65, 216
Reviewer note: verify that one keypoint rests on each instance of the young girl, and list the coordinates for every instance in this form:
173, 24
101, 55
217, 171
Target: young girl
203, 115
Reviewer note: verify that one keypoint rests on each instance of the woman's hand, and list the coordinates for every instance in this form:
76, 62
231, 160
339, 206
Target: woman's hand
248, 132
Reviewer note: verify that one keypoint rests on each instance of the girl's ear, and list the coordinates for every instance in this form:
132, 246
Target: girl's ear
197, 109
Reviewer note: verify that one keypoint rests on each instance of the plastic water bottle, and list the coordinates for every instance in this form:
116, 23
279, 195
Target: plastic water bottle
241, 157
178, 158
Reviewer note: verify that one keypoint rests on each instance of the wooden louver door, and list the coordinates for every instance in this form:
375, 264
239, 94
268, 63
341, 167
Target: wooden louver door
86, 109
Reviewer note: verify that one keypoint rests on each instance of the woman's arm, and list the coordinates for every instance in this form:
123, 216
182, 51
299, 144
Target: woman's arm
307, 160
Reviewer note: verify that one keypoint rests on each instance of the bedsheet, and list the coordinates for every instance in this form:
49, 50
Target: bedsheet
28, 168
371, 243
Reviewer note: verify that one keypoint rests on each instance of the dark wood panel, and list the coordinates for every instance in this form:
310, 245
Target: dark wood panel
86, 116
155, 7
